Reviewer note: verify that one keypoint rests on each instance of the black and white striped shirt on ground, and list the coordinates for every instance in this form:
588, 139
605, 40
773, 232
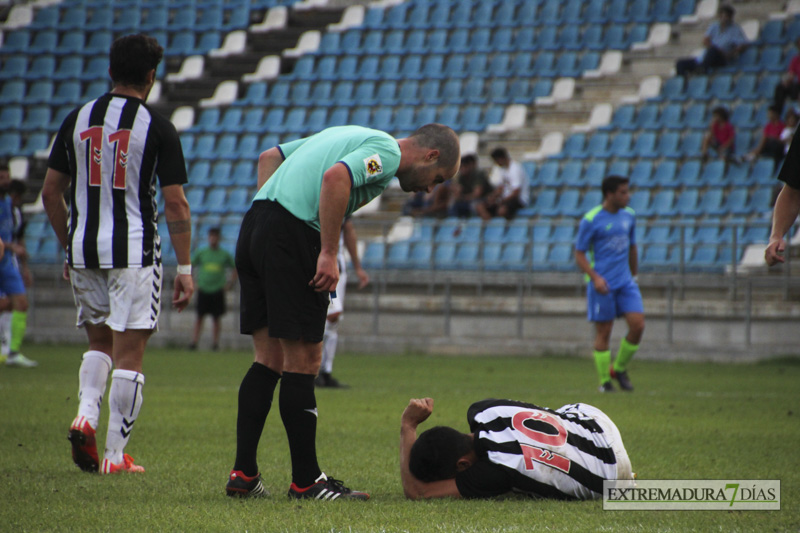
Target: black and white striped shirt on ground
113, 148
538, 451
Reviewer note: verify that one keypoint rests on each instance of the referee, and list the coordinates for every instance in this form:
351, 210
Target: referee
286, 261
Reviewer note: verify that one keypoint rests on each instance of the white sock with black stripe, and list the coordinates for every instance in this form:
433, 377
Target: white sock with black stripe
92, 380
124, 402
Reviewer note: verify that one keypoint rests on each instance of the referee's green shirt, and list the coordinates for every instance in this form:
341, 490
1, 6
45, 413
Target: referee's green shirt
372, 158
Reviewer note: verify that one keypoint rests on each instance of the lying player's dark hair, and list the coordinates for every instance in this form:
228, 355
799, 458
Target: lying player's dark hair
442, 138
612, 183
435, 454
132, 57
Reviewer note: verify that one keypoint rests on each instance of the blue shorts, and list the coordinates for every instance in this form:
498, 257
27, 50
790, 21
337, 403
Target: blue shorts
10, 279
607, 307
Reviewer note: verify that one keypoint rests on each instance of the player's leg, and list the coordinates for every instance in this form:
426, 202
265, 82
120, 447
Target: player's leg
134, 295
298, 406
257, 388
95, 367
329, 341
629, 302
5, 327
601, 312
124, 398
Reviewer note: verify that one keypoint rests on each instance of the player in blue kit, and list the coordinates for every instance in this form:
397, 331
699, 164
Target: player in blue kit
605, 250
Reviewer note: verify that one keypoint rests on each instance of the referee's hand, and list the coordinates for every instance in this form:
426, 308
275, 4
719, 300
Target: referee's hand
327, 275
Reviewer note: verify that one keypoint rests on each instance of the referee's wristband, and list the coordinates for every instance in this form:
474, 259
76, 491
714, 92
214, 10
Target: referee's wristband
184, 270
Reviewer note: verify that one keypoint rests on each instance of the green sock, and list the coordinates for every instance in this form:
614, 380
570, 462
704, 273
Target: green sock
602, 361
625, 354
19, 323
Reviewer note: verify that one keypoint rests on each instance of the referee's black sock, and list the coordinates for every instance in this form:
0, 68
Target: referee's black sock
298, 406
255, 400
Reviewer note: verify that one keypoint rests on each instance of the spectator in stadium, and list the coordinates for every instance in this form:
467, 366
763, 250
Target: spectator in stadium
789, 85
512, 446
110, 234
724, 41
787, 205
770, 144
471, 187
720, 135
605, 250
287, 263
330, 338
789, 128
12, 281
211, 264
435, 203
513, 191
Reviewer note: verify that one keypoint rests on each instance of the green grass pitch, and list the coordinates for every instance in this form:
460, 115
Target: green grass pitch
685, 421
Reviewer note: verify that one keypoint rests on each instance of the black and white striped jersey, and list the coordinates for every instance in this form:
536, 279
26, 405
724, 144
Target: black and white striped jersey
113, 148
538, 451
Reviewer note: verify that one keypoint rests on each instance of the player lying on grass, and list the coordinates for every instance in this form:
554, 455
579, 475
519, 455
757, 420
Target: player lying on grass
512, 447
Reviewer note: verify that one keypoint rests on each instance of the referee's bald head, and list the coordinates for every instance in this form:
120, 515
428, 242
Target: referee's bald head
442, 138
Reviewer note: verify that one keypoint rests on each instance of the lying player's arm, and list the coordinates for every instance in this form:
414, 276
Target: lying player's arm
268, 163
417, 411
55, 186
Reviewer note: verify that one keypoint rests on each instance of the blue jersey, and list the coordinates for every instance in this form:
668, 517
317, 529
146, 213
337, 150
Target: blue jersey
6, 225
606, 238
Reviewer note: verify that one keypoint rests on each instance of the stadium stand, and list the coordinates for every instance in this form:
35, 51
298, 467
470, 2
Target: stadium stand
419, 61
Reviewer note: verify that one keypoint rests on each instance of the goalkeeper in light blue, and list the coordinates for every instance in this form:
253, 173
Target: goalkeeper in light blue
605, 250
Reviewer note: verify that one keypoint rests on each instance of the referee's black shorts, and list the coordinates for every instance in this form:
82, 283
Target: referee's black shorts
276, 258
211, 303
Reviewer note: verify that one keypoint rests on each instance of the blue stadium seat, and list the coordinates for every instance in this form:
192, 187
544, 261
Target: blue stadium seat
220, 173
72, 42
742, 117
398, 255
13, 92
96, 69
527, 12
99, 43
253, 119
14, 67
348, 68
696, 116
455, 66
11, 118
745, 87
373, 254
662, 203
691, 143
621, 145
518, 231
572, 174
561, 257
671, 90
668, 143
573, 146
688, 203
641, 174
444, 255
618, 11
432, 66
597, 147
661, 234
36, 118
129, 19
595, 13
549, 174
615, 37
43, 67
623, 119
654, 255
541, 230
713, 174
772, 59
40, 92
550, 13
647, 118
526, 40
543, 64
45, 42
735, 202
589, 200
645, 145
640, 202
711, 202
569, 38
472, 118
594, 172
542, 87
10, 144
17, 42
760, 202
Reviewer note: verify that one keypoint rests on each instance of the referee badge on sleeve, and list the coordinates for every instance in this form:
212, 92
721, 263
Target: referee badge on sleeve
373, 165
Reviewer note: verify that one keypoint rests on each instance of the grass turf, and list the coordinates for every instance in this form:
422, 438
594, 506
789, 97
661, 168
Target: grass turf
685, 421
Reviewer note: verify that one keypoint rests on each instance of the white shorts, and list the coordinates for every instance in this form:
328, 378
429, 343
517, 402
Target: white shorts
120, 298
337, 304
614, 439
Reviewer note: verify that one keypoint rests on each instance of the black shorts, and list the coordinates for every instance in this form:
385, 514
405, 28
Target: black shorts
276, 258
211, 303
